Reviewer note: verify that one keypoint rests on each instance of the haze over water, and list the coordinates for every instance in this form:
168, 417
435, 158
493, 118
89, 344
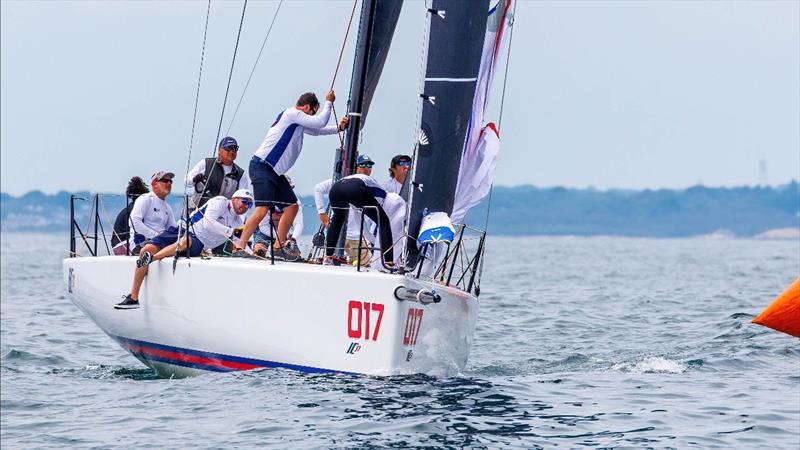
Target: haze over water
581, 342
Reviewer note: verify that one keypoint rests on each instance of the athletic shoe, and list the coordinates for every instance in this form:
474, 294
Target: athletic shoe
144, 260
240, 254
286, 255
127, 303
327, 261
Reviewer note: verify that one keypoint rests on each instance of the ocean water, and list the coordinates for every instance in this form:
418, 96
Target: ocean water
581, 343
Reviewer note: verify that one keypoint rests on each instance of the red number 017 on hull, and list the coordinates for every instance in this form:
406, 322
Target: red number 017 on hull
359, 315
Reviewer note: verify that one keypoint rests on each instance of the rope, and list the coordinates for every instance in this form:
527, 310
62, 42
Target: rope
508, 61
252, 71
417, 123
230, 76
197, 93
194, 122
339, 133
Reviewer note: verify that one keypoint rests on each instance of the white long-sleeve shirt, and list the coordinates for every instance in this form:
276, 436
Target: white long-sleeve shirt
393, 186
321, 191
395, 208
244, 182
294, 231
150, 216
215, 221
284, 139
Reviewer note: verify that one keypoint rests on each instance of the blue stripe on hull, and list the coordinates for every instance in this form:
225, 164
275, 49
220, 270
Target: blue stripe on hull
211, 357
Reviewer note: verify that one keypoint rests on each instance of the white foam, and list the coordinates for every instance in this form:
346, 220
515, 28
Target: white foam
657, 364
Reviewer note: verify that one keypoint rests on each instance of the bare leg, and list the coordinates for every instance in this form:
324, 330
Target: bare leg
289, 213
141, 272
252, 223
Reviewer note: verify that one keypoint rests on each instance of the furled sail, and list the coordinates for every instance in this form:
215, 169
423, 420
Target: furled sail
483, 141
456, 36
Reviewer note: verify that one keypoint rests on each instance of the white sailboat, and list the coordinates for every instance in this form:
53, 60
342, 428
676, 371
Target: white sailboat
315, 318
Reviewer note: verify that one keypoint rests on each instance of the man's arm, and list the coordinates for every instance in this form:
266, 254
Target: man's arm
199, 169
244, 182
320, 120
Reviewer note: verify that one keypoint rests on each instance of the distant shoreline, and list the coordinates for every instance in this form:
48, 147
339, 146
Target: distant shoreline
698, 211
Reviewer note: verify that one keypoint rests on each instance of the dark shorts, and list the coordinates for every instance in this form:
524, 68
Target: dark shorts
170, 236
167, 237
269, 187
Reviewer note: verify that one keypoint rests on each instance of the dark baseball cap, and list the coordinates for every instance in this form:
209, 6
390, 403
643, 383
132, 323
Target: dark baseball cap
228, 143
364, 160
399, 158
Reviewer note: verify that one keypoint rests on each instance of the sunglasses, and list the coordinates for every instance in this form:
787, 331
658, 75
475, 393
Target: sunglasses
368, 166
232, 149
403, 163
169, 181
247, 202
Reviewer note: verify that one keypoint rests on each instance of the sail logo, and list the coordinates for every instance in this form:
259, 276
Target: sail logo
423, 138
413, 324
354, 347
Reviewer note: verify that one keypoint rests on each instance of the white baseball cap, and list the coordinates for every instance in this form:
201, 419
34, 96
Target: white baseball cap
243, 193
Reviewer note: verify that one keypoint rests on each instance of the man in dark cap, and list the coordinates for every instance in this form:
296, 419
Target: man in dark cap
217, 176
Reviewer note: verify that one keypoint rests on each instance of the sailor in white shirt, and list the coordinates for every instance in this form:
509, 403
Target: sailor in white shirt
151, 214
398, 169
362, 191
211, 225
363, 166
278, 153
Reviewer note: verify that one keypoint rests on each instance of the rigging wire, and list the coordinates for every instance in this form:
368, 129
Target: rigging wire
340, 133
417, 130
252, 71
230, 76
197, 93
502, 102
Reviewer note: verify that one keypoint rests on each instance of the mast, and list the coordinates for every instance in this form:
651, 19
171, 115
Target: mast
358, 83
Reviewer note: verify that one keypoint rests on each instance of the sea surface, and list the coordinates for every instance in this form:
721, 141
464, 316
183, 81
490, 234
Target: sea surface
581, 343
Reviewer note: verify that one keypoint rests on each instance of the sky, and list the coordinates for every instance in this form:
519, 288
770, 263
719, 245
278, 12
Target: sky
603, 94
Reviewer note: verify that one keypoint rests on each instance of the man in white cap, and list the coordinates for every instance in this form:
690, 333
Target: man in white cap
210, 226
151, 214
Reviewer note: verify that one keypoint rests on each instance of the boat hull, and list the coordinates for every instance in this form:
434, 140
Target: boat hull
227, 314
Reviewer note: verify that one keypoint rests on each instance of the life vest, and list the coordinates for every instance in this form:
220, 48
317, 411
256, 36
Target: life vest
217, 183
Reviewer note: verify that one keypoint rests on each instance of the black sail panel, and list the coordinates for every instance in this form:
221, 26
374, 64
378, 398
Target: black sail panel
457, 30
376, 29
387, 13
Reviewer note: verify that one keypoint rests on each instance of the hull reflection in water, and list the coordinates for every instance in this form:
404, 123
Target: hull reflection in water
232, 314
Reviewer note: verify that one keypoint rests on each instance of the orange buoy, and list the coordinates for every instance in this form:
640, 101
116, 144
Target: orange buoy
783, 314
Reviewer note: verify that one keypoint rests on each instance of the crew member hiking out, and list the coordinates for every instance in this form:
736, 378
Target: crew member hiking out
362, 191
211, 225
277, 154
217, 176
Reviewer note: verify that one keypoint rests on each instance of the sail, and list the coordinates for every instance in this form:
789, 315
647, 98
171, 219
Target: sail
457, 31
384, 22
478, 161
